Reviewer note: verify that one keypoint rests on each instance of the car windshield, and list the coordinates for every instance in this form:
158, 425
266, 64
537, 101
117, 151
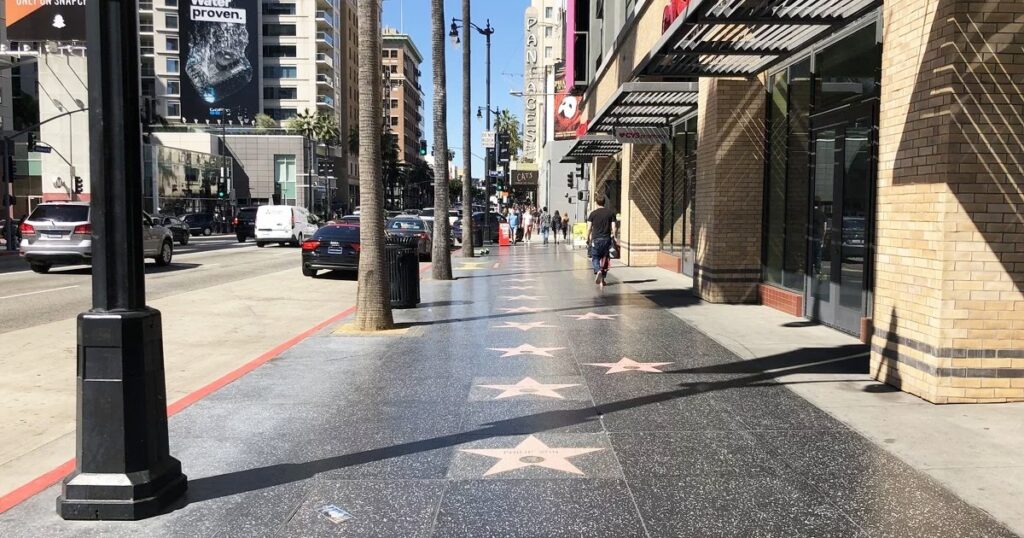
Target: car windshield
61, 213
341, 233
406, 224
427, 212
247, 213
196, 218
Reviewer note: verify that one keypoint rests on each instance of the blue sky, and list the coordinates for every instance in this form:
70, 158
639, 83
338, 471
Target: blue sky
413, 17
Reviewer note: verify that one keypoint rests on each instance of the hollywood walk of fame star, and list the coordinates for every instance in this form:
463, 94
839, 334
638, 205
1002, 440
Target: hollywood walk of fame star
519, 287
529, 387
522, 310
470, 266
522, 280
532, 452
521, 297
629, 365
526, 349
591, 315
524, 326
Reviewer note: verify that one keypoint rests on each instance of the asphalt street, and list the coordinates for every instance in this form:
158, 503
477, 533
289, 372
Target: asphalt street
28, 299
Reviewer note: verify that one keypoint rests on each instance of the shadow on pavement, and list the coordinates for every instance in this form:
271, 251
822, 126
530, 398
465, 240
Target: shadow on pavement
763, 372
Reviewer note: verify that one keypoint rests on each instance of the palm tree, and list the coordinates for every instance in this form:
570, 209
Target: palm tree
264, 123
507, 123
373, 297
441, 255
467, 156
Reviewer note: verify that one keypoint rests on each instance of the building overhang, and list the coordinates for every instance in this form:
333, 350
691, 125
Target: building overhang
591, 146
638, 105
730, 38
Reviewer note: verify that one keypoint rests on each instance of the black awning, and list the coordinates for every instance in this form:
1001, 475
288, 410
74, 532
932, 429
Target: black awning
590, 146
730, 38
645, 104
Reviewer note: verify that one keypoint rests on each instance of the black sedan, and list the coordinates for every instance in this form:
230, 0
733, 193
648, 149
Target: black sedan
334, 247
200, 223
408, 226
245, 224
179, 230
494, 221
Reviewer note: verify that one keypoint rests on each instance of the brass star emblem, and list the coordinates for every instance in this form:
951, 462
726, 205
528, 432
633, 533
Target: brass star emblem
532, 452
630, 365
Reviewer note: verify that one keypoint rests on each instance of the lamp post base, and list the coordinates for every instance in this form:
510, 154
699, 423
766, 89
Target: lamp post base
124, 470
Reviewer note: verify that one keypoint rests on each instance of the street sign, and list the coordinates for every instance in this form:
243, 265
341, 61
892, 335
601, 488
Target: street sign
495, 174
487, 139
41, 148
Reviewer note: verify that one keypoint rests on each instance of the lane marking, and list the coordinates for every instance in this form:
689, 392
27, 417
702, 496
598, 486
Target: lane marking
36, 292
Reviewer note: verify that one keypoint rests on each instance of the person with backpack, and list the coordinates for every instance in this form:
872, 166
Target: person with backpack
601, 226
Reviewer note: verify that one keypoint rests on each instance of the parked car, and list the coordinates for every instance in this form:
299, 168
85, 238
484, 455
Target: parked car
60, 233
428, 214
347, 219
407, 226
179, 230
493, 222
334, 247
283, 224
245, 223
200, 223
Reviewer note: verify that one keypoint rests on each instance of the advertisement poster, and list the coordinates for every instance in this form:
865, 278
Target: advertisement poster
45, 20
567, 109
220, 48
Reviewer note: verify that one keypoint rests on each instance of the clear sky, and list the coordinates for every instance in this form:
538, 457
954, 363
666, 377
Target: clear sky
506, 16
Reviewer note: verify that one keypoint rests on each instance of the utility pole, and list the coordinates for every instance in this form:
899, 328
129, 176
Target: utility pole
123, 467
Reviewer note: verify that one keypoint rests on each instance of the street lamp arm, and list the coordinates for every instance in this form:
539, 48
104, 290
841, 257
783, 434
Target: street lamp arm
44, 122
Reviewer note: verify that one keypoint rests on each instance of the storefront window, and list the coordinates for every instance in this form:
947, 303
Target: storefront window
848, 71
676, 187
775, 191
798, 175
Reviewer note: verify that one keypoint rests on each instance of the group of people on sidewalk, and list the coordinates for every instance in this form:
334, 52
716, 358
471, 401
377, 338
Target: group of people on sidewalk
525, 220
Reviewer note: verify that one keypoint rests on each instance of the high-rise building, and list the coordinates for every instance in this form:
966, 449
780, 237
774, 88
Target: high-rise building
349, 42
405, 105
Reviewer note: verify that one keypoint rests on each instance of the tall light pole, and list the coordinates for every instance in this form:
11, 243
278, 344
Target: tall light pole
123, 466
487, 31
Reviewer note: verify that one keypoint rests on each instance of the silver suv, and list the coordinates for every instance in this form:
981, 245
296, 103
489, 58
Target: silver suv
60, 233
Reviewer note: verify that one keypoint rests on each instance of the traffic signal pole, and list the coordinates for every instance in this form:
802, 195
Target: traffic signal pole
123, 468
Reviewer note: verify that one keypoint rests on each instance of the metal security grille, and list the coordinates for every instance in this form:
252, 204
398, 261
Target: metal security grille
589, 146
723, 38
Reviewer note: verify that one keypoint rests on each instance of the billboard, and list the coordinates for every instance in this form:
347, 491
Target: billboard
45, 20
220, 52
567, 107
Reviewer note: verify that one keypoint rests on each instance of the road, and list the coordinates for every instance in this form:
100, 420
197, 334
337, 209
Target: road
222, 304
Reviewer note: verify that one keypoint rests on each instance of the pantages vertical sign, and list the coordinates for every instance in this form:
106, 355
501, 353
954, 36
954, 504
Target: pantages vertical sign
533, 83
220, 50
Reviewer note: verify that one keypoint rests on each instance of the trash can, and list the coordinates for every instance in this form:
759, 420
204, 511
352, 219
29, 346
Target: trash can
478, 236
403, 270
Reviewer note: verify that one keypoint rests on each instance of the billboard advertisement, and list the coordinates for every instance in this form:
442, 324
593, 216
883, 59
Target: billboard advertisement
45, 20
567, 107
220, 52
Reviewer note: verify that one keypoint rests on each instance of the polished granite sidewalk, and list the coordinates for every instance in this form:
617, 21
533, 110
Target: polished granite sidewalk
524, 401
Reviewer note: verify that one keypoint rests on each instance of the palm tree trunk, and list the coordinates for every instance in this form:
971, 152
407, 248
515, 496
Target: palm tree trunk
467, 156
373, 298
441, 255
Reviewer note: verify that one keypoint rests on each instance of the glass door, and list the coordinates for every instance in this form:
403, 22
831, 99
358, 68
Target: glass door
842, 217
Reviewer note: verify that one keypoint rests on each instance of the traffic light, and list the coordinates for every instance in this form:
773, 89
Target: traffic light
12, 166
79, 185
569, 180
580, 195
31, 142
423, 148
504, 151
222, 188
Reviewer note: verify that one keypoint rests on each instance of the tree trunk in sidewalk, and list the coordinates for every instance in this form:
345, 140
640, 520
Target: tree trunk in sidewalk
441, 255
467, 155
373, 298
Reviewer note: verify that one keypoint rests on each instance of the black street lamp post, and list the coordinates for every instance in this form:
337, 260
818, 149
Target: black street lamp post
123, 468
487, 31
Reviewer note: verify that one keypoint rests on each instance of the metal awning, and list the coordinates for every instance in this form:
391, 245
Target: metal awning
590, 146
722, 38
645, 104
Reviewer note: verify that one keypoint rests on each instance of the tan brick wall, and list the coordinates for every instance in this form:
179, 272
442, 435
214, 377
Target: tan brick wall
949, 310
641, 183
730, 181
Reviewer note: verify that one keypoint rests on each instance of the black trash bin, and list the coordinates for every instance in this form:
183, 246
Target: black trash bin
478, 237
403, 270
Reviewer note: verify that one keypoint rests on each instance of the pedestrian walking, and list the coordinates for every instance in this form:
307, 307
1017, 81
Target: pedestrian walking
528, 220
545, 224
565, 227
513, 223
556, 225
601, 230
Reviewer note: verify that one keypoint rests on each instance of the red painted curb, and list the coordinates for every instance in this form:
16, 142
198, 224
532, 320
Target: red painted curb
53, 476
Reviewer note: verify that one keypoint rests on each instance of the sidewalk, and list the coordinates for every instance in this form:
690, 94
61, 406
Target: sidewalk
522, 401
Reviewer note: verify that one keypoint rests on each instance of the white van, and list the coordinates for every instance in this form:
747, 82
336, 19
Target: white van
284, 224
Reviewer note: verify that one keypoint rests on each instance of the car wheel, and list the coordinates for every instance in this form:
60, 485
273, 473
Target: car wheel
166, 253
260, 245
41, 268
309, 272
184, 241
241, 238
297, 242
207, 232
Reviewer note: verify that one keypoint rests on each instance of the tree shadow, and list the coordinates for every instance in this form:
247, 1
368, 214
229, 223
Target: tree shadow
763, 372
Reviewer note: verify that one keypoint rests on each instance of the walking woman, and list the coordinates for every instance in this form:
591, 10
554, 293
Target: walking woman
565, 227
